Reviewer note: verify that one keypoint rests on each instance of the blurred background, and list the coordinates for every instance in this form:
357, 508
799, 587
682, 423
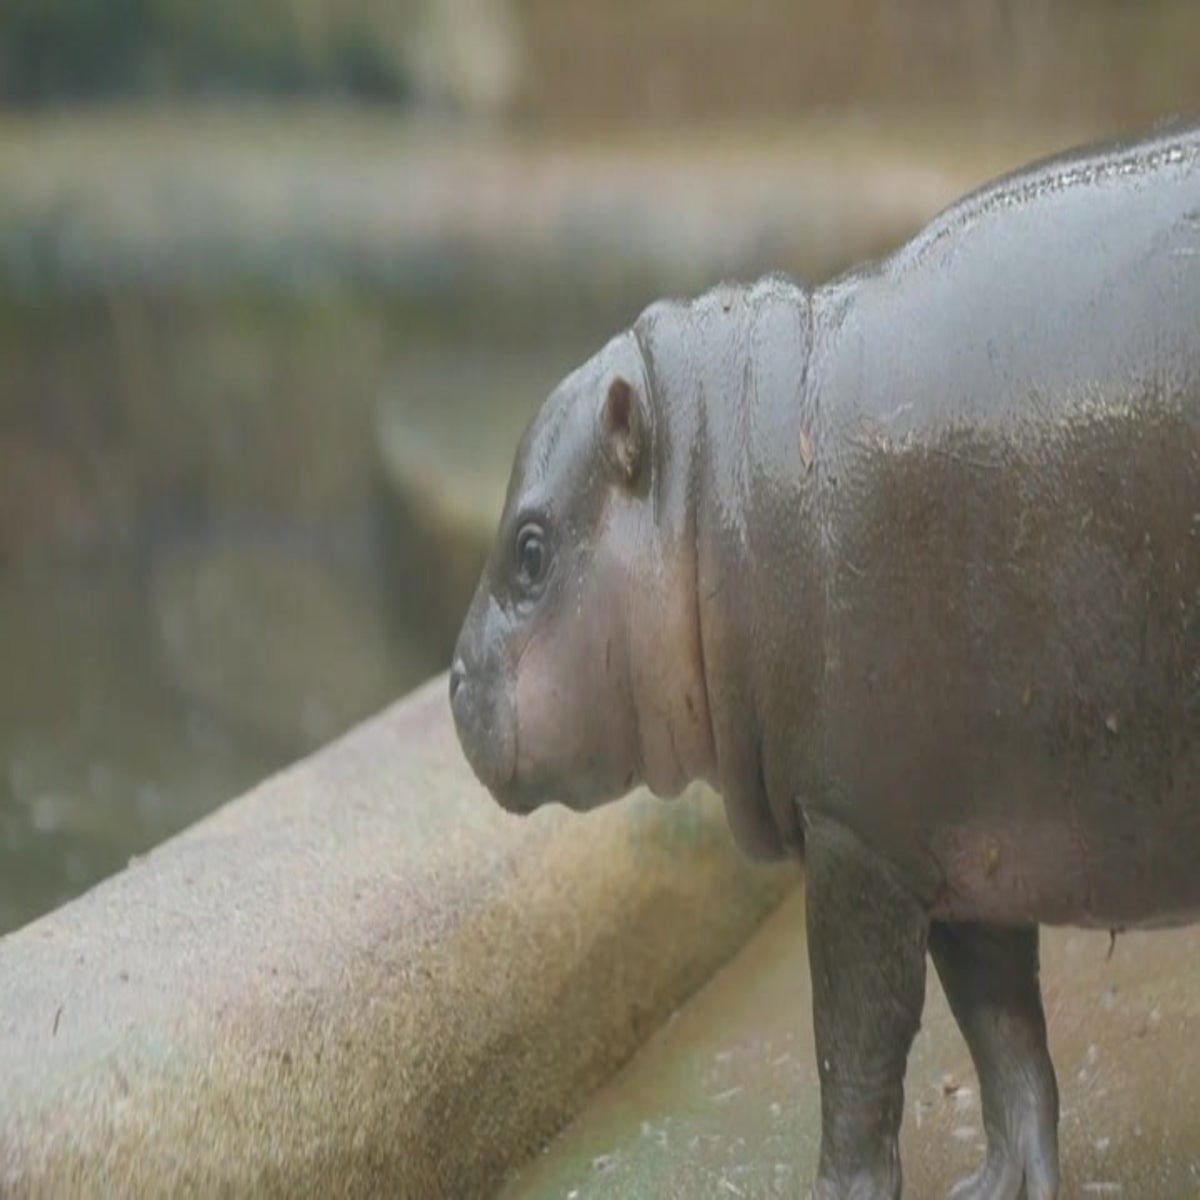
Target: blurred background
282, 280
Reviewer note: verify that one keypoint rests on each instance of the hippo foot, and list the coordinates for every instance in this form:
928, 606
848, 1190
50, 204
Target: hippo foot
1030, 1173
883, 1184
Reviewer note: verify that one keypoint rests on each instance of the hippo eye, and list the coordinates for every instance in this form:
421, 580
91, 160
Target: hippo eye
532, 557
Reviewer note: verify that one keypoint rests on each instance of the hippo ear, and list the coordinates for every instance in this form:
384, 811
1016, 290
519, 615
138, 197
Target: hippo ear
623, 421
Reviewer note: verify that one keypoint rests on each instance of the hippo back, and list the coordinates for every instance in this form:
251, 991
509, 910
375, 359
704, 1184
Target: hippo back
1009, 467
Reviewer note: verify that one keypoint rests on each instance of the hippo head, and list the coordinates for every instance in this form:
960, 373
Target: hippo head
578, 672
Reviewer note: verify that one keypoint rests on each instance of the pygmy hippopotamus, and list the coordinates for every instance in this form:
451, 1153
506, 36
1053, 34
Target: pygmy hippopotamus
908, 568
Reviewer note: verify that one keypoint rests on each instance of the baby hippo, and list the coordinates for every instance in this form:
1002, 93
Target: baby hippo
908, 568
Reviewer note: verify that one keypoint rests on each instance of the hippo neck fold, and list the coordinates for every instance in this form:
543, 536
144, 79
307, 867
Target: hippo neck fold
737, 484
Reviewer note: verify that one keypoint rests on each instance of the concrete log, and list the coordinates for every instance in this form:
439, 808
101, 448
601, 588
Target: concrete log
362, 978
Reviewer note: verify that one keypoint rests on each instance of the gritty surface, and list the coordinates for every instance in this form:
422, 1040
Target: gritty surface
723, 1102
362, 978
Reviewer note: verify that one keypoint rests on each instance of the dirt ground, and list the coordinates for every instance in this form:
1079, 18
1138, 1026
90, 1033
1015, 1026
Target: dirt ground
723, 1101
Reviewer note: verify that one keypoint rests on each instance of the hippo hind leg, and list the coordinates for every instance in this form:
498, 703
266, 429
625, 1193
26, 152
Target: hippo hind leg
990, 976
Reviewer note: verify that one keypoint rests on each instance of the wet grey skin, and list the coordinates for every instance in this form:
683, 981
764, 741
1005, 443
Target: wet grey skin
908, 567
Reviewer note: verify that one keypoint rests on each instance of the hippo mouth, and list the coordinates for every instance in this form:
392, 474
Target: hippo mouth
511, 796
498, 773
488, 740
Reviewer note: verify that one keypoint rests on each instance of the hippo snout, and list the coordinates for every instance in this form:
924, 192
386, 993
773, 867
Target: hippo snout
461, 706
486, 725
469, 722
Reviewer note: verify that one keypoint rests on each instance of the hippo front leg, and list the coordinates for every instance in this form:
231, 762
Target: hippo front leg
866, 942
990, 976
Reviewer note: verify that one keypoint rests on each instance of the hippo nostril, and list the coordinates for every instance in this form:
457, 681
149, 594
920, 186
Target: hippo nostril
458, 673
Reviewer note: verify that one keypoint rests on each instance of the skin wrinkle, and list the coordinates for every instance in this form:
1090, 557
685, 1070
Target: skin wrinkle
516, 768
653, 451
680, 773
666, 709
695, 501
822, 481
510, 778
701, 663
782, 804
648, 700
661, 516
743, 428
635, 678
639, 750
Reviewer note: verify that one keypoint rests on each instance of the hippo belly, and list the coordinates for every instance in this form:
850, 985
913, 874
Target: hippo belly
1013, 699
1123, 861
